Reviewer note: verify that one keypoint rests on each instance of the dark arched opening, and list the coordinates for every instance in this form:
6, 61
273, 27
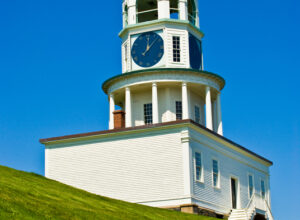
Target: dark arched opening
192, 11
259, 217
147, 10
174, 9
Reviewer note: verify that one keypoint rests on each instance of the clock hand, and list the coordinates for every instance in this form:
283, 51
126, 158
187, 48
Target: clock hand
148, 47
153, 43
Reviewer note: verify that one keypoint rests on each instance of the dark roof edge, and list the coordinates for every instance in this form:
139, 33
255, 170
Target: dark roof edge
46, 140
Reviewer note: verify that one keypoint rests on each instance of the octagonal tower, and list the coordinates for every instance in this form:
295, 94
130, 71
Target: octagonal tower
163, 77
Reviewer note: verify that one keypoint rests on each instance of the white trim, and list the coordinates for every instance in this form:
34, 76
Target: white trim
163, 77
202, 167
253, 183
187, 163
218, 186
238, 193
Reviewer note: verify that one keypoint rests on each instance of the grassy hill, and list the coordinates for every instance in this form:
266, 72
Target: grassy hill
30, 196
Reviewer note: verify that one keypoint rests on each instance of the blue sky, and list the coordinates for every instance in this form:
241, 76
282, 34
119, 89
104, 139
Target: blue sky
54, 56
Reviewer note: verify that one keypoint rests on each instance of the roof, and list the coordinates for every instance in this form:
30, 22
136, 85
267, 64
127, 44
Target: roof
188, 121
124, 76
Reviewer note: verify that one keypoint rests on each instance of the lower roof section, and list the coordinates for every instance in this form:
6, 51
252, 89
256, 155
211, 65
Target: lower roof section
144, 128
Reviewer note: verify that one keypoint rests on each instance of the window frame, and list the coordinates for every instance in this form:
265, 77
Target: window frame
261, 190
218, 185
176, 51
253, 185
197, 106
146, 115
178, 118
201, 180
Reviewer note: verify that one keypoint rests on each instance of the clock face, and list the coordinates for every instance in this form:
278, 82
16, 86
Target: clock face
148, 49
195, 52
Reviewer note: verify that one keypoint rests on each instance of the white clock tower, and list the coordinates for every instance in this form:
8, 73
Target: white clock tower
162, 63
165, 145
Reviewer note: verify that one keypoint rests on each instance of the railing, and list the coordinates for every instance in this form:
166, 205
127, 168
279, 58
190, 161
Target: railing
258, 202
250, 208
269, 213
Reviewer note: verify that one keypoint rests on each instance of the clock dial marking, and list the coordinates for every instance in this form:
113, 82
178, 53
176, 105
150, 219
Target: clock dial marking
148, 49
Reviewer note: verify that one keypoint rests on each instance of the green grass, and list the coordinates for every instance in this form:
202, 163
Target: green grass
30, 196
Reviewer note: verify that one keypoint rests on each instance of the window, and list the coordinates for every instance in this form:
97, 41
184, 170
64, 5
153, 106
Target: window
215, 173
263, 190
174, 11
148, 113
178, 110
251, 187
147, 10
197, 114
176, 49
125, 15
198, 166
192, 11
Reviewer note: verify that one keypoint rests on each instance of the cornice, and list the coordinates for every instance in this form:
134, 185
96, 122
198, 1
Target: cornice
210, 75
160, 22
152, 128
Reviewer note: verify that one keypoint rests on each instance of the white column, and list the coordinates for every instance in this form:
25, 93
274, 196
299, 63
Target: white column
163, 9
209, 123
183, 12
185, 103
128, 119
219, 115
215, 117
131, 12
154, 104
111, 111
187, 163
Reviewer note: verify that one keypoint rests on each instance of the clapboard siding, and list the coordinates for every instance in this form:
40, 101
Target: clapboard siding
231, 164
142, 168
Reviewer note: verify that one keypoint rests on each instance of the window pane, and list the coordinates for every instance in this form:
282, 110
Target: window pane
215, 166
148, 113
198, 166
197, 114
263, 191
215, 173
178, 110
250, 185
215, 179
176, 49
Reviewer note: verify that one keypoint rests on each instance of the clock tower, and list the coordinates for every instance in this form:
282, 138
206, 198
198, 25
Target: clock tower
163, 77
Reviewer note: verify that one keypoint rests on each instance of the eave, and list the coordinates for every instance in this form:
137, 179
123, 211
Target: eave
140, 129
124, 76
158, 22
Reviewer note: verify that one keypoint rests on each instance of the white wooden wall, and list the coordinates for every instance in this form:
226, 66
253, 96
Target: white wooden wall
145, 167
231, 164
148, 168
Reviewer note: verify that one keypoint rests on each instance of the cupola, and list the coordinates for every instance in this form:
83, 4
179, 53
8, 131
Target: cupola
139, 11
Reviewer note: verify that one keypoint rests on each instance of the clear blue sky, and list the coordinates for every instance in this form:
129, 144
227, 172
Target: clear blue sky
54, 56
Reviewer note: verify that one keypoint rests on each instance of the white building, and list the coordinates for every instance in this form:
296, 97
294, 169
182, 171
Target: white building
165, 148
